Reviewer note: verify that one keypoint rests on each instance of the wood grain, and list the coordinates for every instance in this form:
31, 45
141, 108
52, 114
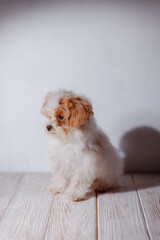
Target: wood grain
119, 214
148, 186
72, 220
8, 185
27, 214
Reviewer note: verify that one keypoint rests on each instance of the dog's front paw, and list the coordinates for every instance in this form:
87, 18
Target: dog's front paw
55, 189
74, 196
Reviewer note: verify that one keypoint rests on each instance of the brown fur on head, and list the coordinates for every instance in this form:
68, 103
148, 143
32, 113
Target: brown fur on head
73, 111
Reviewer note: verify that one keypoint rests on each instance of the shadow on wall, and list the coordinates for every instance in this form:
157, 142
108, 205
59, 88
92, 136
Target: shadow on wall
141, 148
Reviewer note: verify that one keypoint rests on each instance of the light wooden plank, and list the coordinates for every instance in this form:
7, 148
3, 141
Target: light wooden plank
148, 186
28, 213
8, 185
72, 220
120, 215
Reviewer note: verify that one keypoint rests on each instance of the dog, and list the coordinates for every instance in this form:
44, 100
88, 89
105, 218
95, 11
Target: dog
83, 161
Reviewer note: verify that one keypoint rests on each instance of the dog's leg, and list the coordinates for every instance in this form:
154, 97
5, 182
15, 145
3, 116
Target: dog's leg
78, 188
58, 184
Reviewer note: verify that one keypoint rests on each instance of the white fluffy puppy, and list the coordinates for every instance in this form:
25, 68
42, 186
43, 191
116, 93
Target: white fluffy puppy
82, 158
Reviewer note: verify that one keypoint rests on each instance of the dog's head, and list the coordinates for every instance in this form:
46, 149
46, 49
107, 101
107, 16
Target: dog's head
66, 111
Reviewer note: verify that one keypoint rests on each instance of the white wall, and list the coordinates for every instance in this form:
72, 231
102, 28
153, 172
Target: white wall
109, 51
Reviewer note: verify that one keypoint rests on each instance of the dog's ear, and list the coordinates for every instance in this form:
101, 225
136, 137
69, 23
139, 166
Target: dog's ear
45, 110
80, 110
73, 111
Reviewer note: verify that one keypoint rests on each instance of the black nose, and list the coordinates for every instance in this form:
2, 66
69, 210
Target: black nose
49, 127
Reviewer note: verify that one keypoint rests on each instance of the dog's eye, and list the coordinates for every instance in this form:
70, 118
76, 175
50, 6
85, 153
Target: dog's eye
60, 117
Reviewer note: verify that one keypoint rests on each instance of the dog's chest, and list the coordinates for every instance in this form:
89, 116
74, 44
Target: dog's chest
65, 152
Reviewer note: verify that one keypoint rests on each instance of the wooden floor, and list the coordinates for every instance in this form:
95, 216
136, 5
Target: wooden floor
29, 211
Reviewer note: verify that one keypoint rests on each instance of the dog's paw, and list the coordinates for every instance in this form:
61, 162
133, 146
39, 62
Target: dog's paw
74, 197
55, 189
77, 199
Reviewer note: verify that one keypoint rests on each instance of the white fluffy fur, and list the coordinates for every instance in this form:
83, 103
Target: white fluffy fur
82, 161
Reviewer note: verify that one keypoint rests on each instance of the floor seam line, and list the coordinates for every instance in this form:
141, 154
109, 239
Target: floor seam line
97, 215
141, 208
